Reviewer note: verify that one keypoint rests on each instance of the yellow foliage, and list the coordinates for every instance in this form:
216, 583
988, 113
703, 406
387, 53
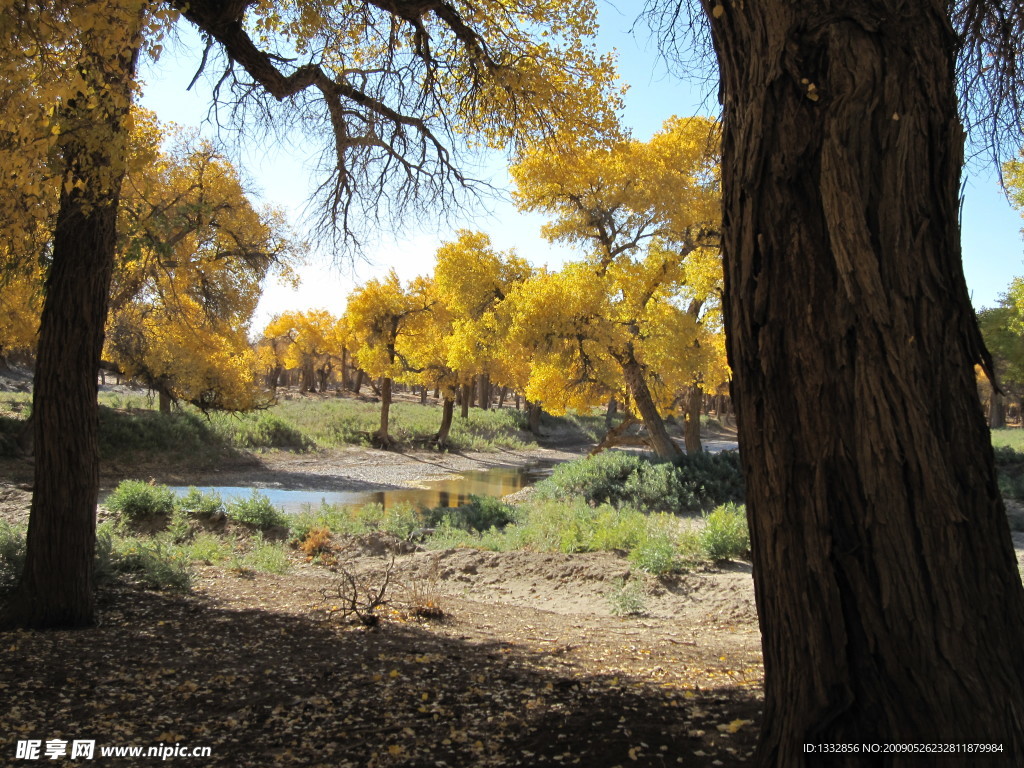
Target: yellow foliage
648, 212
472, 280
384, 319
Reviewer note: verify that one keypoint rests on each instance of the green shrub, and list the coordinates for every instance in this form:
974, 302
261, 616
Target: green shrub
597, 479
688, 483
264, 556
179, 528
12, 554
481, 514
257, 511
725, 534
711, 479
627, 598
150, 563
201, 505
657, 555
135, 501
333, 517
401, 520
207, 548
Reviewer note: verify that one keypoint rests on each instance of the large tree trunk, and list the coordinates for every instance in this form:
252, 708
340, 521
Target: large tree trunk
890, 604
465, 395
661, 443
56, 586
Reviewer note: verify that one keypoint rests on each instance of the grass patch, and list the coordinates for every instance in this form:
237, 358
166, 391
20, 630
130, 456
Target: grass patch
657, 543
127, 435
308, 424
149, 562
261, 555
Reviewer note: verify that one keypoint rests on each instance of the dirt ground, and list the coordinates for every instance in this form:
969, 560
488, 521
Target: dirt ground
525, 666
476, 658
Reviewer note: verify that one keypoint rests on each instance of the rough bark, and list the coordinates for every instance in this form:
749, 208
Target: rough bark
55, 589
691, 426
659, 439
165, 401
889, 600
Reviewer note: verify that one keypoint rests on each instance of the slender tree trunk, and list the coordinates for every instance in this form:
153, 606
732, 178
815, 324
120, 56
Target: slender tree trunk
610, 413
890, 604
691, 426
502, 397
56, 586
423, 395
484, 391
464, 393
447, 411
996, 412
381, 438
533, 414
661, 443
360, 378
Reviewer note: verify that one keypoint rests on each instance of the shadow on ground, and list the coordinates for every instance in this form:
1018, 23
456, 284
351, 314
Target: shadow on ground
275, 689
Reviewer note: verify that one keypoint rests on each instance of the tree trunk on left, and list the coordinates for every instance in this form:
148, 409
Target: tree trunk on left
56, 587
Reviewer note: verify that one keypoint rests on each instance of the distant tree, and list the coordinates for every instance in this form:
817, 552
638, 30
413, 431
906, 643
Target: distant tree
312, 341
193, 254
642, 210
384, 318
472, 279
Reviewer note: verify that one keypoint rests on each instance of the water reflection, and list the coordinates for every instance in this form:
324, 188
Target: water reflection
449, 492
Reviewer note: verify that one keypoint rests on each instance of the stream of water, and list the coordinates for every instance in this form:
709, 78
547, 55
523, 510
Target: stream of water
447, 492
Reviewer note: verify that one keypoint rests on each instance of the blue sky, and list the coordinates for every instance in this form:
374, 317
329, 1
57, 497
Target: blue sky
993, 250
